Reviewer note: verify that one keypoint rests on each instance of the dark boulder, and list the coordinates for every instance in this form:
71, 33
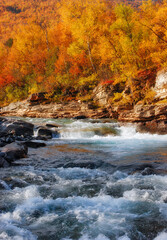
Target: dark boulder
16, 128
3, 162
33, 144
52, 125
14, 151
45, 132
80, 117
148, 171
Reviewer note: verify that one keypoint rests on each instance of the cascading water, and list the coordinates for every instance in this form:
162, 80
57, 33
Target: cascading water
98, 181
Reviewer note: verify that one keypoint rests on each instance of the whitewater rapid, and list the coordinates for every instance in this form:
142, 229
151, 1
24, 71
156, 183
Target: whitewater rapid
116, 200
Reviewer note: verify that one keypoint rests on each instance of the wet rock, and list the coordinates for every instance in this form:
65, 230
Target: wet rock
148, 171
44, 132
16, 128
15, 182
104, 131
3, 162
14, 151
33, 144
40, 138
53, 125
80, 117
84, 164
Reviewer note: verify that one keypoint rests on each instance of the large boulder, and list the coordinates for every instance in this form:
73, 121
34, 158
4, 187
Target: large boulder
14, 151
47, 133
15, 127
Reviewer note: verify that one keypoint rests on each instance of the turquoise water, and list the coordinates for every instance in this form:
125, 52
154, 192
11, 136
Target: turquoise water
53, 194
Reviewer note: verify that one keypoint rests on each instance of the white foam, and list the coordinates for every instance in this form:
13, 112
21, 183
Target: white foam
47, 218
85, 130
138, 195
125, 237
9, 231
86, 237
161, 236
20, 194
79, 173
99, 237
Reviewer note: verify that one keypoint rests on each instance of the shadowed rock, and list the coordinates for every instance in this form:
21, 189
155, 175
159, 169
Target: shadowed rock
80, 117
16, 128
14, 151
44, 132
53, 125
32, 144
3, 162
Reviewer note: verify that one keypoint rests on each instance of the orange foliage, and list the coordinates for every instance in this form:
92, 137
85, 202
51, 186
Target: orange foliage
64, 46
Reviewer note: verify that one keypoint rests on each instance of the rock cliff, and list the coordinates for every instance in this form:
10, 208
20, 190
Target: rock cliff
148, 118
161, 84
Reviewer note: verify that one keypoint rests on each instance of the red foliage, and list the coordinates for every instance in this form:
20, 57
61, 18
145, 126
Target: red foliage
107, 82
6, 80
147, 77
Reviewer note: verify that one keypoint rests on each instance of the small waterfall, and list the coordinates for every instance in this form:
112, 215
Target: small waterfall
35, 131
5, 185
84, 130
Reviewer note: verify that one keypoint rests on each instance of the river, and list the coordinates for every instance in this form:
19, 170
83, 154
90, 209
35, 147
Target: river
97, 181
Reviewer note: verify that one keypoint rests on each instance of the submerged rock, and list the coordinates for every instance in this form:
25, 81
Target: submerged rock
84, 164
104, 131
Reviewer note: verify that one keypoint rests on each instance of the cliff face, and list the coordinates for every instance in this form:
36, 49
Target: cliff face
54, 110
161, 84
148, 118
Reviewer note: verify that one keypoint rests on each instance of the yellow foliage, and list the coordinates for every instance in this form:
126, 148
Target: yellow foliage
149, 97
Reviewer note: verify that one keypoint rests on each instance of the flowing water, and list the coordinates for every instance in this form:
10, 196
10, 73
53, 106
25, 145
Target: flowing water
98, 181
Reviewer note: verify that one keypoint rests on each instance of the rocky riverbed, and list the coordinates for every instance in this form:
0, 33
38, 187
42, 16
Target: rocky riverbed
90, 179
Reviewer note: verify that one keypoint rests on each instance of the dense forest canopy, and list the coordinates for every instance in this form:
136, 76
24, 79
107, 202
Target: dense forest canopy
66, 48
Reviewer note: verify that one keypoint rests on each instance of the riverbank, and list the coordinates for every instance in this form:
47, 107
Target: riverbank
147, 118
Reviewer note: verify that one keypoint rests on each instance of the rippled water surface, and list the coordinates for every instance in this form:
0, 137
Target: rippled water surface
98, 181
